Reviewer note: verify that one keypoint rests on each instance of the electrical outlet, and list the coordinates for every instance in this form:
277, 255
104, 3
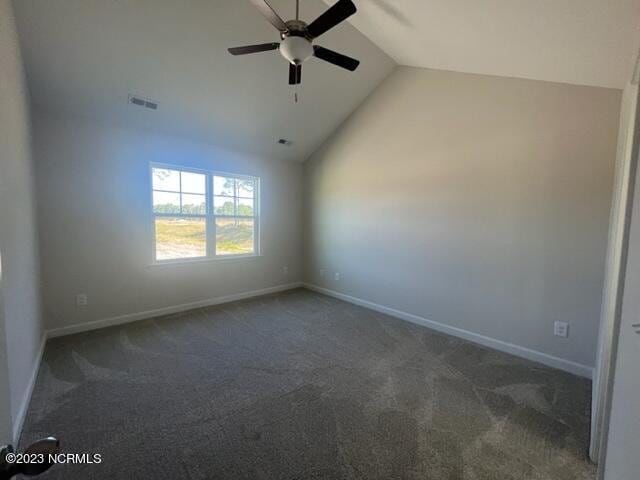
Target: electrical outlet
285, 270
337, 276
561, 329
81, 300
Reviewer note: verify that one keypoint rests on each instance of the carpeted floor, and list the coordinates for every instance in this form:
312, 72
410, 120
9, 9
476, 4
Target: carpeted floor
302, 386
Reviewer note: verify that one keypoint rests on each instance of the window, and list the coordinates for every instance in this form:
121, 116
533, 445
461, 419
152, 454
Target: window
234, 212
199, 214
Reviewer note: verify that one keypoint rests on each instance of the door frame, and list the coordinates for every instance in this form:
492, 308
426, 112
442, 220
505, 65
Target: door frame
623, 197
6, 420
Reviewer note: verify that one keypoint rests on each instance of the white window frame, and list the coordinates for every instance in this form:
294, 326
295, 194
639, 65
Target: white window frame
209, 216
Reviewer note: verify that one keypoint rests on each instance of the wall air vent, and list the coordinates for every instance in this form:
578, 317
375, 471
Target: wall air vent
285, 142
143, 102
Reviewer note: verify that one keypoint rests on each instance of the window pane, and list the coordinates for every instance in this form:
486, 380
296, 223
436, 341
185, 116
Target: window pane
234, 236
165, 179
193, 183
245, 207
180, 238
194, 204
246, 188
223, 186
164, 202
223, 206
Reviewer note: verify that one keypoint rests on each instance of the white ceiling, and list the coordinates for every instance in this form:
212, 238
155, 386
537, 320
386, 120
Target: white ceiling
584, 42
84, 57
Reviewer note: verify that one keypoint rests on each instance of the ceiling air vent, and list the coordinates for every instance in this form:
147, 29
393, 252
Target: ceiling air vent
285, 142
143, 102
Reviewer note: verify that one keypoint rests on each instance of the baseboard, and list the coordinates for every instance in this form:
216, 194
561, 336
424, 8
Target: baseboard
132, 317
517, 350
26, 399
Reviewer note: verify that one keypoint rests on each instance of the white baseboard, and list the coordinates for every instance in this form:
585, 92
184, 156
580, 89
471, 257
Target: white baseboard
26, 399
132, 317
529, 354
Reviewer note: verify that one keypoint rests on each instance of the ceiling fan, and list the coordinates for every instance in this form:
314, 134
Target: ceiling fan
297, 38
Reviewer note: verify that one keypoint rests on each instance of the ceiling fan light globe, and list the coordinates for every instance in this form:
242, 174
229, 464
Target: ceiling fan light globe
296, 49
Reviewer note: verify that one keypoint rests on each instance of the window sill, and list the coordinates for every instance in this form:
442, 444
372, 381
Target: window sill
203, 260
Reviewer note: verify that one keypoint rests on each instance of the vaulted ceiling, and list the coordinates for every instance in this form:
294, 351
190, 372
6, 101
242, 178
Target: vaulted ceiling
84, 57
584, 42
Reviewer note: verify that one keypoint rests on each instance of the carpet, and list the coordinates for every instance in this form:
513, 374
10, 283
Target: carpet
299, 385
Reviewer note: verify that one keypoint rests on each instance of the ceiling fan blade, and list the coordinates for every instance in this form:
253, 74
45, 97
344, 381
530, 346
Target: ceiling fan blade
295, 74
270, 14
263, 47
332, 17
292, 74
336, 58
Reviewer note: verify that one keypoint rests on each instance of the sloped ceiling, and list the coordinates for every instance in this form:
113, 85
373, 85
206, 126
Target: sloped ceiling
84, 57
584, 42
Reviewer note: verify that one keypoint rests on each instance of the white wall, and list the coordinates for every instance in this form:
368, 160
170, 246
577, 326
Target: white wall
96, 224
18, 238
623, 446
475, 201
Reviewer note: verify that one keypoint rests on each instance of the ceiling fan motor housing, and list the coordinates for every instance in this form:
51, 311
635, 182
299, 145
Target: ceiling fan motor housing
296, 45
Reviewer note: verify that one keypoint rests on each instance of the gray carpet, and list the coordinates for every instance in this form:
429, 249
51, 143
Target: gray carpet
302, 386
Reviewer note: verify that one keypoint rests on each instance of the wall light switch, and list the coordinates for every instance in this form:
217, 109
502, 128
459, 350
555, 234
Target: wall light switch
81, 300
561, 329
337, 276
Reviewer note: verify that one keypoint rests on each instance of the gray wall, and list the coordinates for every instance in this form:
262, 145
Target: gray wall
95, 218
19, 272
475, 201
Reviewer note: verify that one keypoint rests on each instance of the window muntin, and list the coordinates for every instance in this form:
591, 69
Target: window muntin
200, 215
